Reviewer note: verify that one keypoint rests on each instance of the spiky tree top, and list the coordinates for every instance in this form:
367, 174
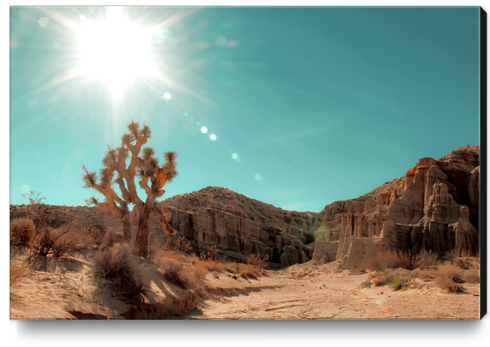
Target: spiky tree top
152, 176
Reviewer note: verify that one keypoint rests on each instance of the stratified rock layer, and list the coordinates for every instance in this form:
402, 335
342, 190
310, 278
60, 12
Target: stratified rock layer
240, 226
433, 207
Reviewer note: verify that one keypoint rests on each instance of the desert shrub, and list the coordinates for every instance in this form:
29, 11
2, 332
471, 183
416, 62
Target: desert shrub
382, 260
181, 245
211, 253
449, 278
17, 271
399, 278
256, 261
249, 271
211, 265
43, 241
231, 267
95, 233
448, 285
463, 263
406, 260
459, 252
21, 231
425, 275
118, 265
67, 241
58, 241
425, 259
380, 278
472, 276
184, 272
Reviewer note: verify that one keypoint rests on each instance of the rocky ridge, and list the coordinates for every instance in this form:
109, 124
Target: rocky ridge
433, 207
240, 226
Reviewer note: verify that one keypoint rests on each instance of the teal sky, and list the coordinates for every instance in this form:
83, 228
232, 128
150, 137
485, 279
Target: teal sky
307, 105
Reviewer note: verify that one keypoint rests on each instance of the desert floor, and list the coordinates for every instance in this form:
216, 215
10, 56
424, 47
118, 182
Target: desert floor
303, 291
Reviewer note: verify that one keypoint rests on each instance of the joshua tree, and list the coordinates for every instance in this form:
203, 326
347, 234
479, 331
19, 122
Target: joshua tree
153, 178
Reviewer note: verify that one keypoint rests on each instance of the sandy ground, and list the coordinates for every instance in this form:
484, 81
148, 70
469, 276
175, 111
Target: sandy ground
304, 291
315, 292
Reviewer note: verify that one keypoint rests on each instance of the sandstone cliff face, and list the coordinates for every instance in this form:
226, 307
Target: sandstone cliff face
240, 226
434, 206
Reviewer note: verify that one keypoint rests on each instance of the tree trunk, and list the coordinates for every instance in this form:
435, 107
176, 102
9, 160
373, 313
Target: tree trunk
141, 241
126, 228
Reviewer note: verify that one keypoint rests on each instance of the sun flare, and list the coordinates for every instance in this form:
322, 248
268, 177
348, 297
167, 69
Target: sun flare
115, 50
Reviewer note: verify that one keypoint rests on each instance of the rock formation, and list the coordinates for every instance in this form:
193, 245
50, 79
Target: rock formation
240, 226
433, 207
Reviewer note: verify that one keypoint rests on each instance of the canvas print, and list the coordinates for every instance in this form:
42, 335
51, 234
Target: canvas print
245, 163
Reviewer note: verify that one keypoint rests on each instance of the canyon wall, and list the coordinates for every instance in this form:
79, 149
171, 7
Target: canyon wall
434, 207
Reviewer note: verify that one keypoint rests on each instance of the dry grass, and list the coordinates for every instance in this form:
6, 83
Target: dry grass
459, 252
118, 265
212, 265
17, 271
58, 241
181, 245
425, 275
382, 261
425, 259
21, 231
185, 271
399, 278
472, 276
449, 278
257, 262
395, 259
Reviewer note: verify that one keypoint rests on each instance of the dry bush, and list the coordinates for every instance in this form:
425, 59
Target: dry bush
463, 263
186, 273
211, 253
231, 267
249, 271
472, 276
118, 265
407, 260
17, 271
95, 233
181, 245
211, 265
449, 278
66, 241
425, 259
425, 275
380, 278
58, 241
21, 231
399, 278
448, 285
382, 260
256, 261
459, 252
43, 241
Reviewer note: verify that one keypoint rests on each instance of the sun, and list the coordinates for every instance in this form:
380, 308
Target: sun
114, 51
